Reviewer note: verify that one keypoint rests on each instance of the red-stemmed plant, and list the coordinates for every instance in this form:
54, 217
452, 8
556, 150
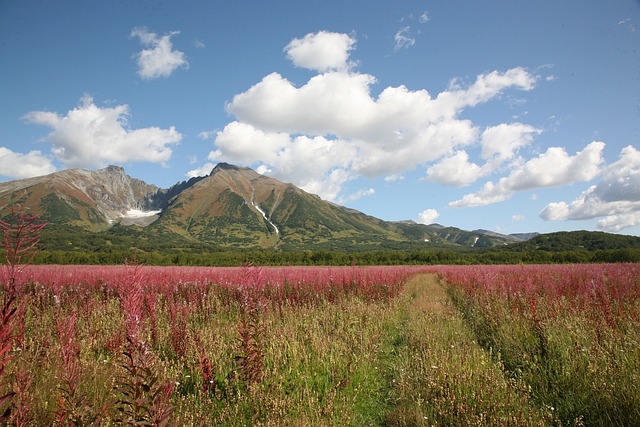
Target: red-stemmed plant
20, 240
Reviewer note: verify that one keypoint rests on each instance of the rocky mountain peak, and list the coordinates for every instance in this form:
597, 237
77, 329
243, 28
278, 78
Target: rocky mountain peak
114, 169
227, 166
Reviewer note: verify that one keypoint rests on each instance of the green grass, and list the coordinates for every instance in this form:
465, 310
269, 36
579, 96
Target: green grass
439, 374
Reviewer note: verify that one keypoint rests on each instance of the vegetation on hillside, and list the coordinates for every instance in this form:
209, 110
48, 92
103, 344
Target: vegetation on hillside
70, 245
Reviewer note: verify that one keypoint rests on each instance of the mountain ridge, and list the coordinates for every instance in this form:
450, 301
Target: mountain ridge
231, 208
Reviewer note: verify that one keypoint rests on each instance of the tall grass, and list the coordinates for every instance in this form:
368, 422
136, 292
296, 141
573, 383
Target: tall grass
441, 377
255, 351
571, 333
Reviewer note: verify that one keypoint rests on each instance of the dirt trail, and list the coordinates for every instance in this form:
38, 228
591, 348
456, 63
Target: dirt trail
428, 294
442, 376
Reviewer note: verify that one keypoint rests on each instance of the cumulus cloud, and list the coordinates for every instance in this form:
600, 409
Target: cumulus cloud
455, 170
615, 199
243, 143
330, 103
489, 193
621, 181
333, 128
428, 216
330, 186
552, 168
500, 143
321, 51
17, 165
160, 59
555, 167
89, 136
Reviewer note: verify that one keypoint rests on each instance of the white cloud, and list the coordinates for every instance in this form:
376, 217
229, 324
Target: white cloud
330, 103
332, 127
321, 51
455, 170
393, 178
89, 136
620, 222
357, 195
555, 167
517, 217
500, 143
403, 40
486, 87
243, 143
203, 170
424, 17
330, 184
428, 216
621, 180
340, 103
17, 165
615, 199
263, 170
552, 168
489, 193
317, 165
160, 60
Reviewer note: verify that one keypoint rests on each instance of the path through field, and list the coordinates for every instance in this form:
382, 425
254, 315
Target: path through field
441, 376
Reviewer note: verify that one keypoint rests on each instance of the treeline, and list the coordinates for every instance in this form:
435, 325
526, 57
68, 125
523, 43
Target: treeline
336, 258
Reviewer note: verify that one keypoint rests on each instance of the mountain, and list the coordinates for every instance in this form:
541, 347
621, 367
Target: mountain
233, 207
90, 200
237, 207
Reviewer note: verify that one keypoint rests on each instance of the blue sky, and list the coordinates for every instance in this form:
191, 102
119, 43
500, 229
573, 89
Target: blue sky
507, 116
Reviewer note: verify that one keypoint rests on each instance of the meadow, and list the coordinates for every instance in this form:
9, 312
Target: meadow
334, 346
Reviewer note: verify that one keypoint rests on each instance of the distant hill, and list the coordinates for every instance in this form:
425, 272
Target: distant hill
235, 208
576, 241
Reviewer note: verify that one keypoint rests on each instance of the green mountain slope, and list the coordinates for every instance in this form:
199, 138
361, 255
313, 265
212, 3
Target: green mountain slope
235, 208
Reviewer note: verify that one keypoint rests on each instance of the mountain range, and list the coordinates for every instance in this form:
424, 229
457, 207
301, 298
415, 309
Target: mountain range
231, 208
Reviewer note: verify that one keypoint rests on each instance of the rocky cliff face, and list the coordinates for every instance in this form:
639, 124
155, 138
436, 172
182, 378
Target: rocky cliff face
90, 199
114, 192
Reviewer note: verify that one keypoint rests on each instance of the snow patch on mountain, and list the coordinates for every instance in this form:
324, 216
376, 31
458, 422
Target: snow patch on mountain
264, 215
137, 213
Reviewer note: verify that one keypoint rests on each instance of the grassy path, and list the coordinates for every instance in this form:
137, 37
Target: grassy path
440, 376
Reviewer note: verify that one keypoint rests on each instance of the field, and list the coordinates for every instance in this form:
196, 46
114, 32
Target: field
360, 346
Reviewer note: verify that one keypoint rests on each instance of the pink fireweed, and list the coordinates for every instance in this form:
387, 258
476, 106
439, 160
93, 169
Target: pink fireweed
295, 285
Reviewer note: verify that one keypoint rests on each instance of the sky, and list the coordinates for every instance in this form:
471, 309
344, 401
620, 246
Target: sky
499, 115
